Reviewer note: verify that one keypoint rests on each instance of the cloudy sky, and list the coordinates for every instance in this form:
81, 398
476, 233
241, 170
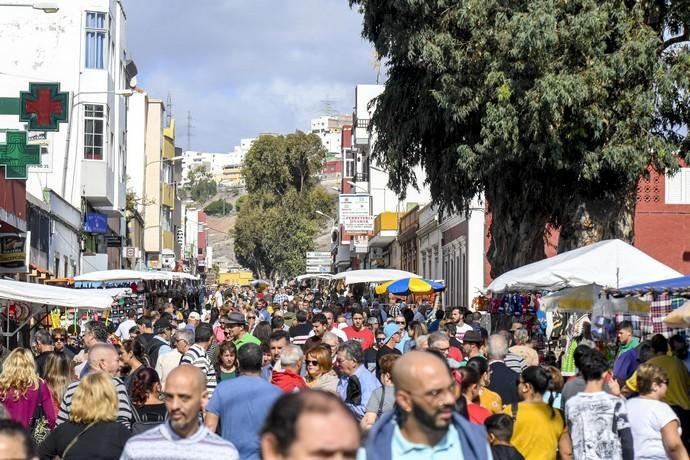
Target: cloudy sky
242, 67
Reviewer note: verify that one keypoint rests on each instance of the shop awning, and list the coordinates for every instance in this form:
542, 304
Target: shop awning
608, 263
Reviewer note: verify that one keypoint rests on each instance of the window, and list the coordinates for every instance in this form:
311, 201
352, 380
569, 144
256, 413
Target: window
94, 120
94, 53
678, 187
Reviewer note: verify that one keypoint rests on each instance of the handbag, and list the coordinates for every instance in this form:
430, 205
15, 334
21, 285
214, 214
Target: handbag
38, 426
383, 396
74, 441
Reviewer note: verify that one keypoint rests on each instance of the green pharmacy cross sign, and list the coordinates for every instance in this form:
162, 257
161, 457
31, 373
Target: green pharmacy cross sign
44, 106
17, 156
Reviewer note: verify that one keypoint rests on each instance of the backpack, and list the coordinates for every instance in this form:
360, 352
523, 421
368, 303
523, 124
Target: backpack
152, 351
146, 422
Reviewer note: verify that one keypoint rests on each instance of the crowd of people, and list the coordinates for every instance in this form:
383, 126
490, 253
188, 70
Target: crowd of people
285, 375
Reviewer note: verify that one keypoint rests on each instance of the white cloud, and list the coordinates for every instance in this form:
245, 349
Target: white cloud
247, 66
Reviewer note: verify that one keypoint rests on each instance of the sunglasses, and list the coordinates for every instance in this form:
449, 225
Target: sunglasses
251, 317
400, 322
312, 363
380, 339
58, 339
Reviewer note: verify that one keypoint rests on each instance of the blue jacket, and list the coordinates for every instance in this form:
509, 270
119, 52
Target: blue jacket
473, 440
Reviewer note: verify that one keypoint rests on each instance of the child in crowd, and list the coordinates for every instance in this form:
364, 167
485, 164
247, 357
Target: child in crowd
500, 430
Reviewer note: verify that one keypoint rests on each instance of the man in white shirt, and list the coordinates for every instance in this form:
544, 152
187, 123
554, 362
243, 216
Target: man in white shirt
218, 298
123, 329
183, 339
457, 316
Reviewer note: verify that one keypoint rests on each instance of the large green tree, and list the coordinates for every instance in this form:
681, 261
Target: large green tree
200, 184
277, 220
552, 109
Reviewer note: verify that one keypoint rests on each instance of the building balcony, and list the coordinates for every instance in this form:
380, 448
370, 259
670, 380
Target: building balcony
168, 195
385, 229
99, 183
168, 148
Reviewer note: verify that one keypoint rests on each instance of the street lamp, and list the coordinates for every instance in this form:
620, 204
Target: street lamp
326, 216
173, 159
46, 7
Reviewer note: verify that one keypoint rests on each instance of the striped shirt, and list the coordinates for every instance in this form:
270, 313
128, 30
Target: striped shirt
515, 363
162, 443
124, 406
196, 356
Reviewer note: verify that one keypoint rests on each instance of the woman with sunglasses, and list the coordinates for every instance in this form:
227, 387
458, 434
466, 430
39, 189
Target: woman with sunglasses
539, 432
59, 341
655, 427
320, 373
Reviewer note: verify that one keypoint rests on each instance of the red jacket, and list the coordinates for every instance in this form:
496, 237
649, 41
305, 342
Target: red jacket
288, 381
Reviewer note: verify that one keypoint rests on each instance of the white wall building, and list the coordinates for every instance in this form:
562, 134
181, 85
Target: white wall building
329, 129
83, 47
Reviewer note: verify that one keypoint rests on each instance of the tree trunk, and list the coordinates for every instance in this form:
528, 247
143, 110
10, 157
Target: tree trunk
518, 228
588, 220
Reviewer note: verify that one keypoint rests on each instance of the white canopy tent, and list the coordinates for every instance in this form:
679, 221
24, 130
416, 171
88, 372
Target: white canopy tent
41, 294
374, 275
314, 276
608, 263
125, 275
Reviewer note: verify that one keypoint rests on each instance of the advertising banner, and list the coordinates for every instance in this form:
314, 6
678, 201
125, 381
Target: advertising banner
354, 212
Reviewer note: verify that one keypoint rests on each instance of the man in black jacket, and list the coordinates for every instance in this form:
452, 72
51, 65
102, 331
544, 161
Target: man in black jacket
503, 379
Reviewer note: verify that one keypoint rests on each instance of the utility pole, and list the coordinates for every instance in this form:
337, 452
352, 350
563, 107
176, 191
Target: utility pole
168, 109
328, 107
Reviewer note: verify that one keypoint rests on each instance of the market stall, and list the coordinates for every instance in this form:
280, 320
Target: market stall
148, 288
23, 301
570, 296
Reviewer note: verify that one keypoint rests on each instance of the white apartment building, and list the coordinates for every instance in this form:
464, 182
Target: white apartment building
329, 129
224, 167
83, 47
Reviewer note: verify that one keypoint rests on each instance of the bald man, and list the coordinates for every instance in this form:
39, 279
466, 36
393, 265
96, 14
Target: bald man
104, 358
309, 424
182, 436
425, 420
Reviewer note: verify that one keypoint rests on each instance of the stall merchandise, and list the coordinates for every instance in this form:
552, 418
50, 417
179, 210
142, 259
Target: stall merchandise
150, 289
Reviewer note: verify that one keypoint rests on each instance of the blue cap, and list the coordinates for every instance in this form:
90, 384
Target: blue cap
390, 330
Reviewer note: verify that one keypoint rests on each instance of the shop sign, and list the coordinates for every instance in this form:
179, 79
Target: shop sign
14, 252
